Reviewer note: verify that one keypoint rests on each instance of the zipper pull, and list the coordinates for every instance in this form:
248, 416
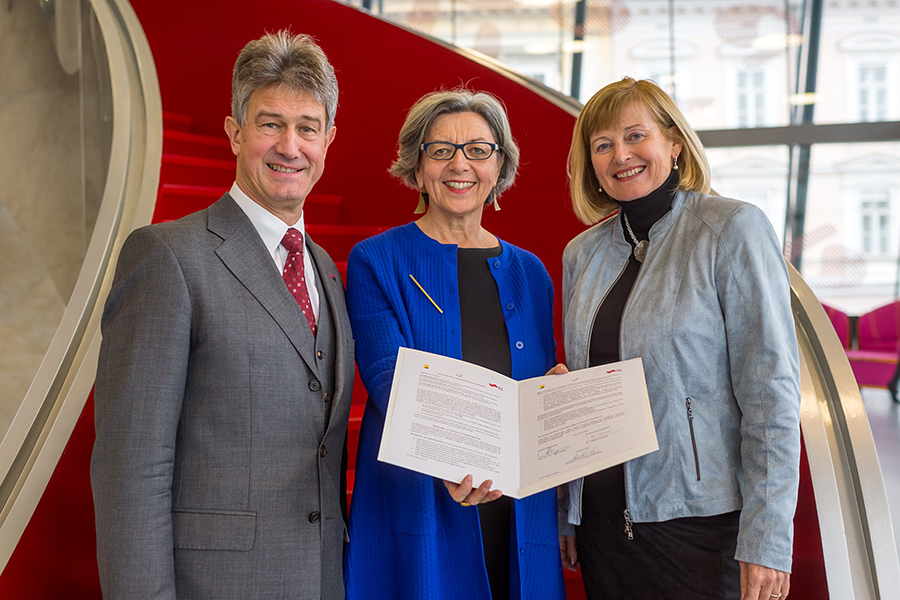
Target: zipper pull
628, 522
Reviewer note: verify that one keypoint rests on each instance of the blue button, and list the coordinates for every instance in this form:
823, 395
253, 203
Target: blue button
519, 345
496, 264
451, 288
510, 306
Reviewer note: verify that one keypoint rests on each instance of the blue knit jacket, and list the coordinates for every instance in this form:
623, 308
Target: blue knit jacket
408, 538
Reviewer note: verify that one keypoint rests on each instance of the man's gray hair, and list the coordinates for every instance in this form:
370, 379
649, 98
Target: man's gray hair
283, 59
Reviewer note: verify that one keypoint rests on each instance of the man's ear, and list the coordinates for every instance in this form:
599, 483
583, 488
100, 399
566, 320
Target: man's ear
233, 131
329, 137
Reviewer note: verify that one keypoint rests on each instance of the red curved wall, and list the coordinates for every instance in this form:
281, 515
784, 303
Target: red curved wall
382, 70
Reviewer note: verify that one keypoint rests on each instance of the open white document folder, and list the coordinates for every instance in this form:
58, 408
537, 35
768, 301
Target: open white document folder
448, 418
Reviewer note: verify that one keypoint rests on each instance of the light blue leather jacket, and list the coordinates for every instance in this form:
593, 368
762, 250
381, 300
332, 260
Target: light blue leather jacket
710, 316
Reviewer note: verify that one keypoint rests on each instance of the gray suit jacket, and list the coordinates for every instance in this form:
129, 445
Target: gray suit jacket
217, 467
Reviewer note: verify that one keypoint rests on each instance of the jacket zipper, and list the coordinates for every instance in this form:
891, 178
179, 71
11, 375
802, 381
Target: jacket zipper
594, 320
690, 416
628, 522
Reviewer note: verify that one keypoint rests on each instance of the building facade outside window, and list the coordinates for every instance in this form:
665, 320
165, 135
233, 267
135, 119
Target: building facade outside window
751, 99
872, 63
873, 92
875, 216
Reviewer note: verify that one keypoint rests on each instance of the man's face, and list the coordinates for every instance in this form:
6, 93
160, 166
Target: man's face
280, 149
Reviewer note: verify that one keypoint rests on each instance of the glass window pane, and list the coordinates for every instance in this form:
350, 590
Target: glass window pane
757, 175
851, 241
730, 65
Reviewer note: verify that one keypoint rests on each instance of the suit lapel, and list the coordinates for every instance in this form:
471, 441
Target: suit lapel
331, 286
246, 257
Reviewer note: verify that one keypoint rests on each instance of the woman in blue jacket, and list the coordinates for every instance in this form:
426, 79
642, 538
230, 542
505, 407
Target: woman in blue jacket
445, 284
696, 286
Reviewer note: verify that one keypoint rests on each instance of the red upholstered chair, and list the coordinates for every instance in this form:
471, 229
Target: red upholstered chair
879, 330
878, 333
841, 323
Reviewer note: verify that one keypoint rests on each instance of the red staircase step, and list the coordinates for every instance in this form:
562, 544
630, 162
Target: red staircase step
176, 121
324, 209
193, 170
338, 240
192, 144
360, 232
177, 200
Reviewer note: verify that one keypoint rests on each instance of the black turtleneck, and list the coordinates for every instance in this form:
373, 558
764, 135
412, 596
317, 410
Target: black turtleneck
604, 491
642, 214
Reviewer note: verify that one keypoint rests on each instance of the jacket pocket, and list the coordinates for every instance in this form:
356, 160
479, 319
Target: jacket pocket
214, 529
690, 417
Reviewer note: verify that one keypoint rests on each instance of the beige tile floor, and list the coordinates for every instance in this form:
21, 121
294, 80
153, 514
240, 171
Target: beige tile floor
884, 419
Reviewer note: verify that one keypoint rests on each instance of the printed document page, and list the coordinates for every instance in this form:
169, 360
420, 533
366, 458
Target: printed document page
576, 424
448, 418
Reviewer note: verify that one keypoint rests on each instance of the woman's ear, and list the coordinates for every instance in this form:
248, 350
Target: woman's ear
420, 181
677, 141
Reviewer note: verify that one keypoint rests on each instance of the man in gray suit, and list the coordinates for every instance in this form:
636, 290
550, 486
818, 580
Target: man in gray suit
223, 394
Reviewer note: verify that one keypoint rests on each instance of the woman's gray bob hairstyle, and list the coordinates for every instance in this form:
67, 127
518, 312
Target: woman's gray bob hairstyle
460, 100
283, 59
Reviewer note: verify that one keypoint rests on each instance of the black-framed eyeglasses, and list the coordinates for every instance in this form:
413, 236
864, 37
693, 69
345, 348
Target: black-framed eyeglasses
471, 150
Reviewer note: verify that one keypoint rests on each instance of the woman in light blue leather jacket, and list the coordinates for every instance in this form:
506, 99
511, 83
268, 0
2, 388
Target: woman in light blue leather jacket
696, 286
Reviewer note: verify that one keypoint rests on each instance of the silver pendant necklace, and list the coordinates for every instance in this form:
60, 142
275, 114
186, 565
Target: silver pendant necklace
640, 248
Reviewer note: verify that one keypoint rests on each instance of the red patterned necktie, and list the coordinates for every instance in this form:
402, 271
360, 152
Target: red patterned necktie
294, 276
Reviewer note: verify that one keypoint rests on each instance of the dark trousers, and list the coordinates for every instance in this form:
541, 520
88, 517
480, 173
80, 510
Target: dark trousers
690, 558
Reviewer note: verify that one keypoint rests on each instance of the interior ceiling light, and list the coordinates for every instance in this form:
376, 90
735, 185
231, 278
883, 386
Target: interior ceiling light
777, 41
802, 99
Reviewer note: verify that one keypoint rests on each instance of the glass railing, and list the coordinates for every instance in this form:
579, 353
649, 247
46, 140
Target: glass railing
852, 509
56, 104
81, 123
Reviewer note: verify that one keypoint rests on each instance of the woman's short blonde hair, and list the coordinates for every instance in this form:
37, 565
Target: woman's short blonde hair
460, 100
602, 111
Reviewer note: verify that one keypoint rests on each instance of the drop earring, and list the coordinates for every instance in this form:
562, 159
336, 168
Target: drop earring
423, 203
600, 189
674, 163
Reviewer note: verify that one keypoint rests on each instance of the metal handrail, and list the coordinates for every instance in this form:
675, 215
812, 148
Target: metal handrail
853, 512
40, 430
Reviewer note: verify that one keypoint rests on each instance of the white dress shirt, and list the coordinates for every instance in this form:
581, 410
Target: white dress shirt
272, 229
